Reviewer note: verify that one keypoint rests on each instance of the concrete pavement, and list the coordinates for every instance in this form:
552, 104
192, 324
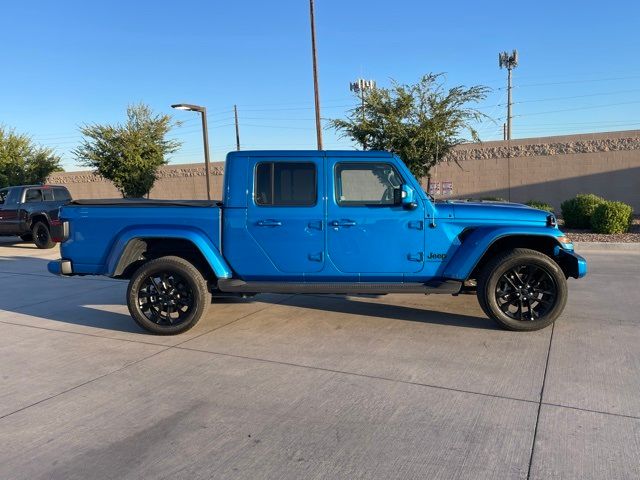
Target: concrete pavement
401, 386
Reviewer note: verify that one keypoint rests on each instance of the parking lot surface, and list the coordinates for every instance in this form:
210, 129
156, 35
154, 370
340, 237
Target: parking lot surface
300, 386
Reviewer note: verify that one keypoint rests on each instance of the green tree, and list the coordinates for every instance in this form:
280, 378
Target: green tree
22, 162
129, 155
419, 122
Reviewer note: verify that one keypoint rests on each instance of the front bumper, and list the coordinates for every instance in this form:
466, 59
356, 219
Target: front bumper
573, 264
60, 267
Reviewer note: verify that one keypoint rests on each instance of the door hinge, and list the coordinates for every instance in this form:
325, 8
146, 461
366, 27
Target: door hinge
415, 257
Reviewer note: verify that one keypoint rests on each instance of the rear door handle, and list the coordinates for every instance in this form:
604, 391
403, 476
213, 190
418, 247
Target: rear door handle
343, 223
269, 223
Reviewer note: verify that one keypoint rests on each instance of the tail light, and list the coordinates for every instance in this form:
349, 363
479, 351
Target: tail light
59, 231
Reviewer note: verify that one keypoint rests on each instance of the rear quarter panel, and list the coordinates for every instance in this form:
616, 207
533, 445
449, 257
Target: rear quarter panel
97, 232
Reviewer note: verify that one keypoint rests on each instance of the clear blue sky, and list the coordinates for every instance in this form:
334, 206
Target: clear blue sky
72, 62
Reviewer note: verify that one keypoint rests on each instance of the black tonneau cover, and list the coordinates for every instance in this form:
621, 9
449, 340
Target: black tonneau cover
146, 202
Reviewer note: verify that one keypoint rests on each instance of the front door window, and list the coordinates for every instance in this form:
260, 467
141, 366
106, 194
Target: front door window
366, 184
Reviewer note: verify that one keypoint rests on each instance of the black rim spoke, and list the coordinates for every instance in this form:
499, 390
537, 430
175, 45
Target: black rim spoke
166, 298
526, 292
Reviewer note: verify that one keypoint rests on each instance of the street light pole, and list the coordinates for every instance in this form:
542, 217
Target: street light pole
315, 74
205, 137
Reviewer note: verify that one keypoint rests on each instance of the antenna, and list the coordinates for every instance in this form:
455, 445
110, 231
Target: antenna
361, 86
508, 61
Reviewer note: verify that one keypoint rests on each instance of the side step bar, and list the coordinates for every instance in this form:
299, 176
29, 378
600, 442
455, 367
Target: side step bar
239, 286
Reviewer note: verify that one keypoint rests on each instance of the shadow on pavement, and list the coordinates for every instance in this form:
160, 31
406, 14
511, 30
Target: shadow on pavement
363, 306
17, 242
68, 300
97, 307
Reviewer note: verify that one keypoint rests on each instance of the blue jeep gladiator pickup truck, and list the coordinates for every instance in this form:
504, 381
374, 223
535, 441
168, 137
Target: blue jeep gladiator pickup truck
340, 222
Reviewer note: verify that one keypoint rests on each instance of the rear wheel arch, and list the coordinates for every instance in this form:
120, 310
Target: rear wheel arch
140, 250
39, 217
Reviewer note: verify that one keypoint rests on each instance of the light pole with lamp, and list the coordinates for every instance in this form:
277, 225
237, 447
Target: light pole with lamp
205, 136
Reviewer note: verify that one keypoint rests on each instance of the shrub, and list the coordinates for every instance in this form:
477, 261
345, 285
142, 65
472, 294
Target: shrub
612, 217
540, 205
577, 211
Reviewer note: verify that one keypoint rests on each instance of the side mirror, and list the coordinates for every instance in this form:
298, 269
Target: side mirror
408, 197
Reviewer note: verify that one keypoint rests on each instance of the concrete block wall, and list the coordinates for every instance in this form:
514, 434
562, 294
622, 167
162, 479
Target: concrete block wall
549, 169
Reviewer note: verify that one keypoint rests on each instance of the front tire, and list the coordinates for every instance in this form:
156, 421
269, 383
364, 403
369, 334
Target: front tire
167, 296
522, 290
42, 236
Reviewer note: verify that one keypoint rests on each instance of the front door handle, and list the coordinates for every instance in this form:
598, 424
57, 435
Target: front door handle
415, 257
269, 223
343, 223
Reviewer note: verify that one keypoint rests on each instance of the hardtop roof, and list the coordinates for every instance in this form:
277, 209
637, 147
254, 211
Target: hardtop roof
311, 153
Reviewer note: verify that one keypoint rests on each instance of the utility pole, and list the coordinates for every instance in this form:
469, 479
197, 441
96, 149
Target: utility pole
235, 113
508, 61
360, 86
315, 74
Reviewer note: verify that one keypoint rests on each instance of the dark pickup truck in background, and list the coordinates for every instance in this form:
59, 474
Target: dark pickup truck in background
28, 212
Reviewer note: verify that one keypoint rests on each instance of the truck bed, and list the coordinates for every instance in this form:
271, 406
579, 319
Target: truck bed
98, 229
145, 202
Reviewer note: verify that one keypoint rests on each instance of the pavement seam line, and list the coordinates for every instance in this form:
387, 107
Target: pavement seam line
134, 362
83, 384
83, 333
544, 381
128, 339
601, 412
275, 304
355, 374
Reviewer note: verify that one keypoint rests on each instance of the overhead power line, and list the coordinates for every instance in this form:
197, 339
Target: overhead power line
569, 82
578, 108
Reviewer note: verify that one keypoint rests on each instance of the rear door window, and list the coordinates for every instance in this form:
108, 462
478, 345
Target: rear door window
47, 195
61, 195
33, 195
285, 184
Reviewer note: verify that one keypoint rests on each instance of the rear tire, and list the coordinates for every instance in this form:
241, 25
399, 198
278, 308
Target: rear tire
167, 295
522, 290
42, 236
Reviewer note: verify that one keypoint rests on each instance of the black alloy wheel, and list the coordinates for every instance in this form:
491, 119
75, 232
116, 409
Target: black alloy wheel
166, 298
526, 292
167, 295
522, 289
42, 236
